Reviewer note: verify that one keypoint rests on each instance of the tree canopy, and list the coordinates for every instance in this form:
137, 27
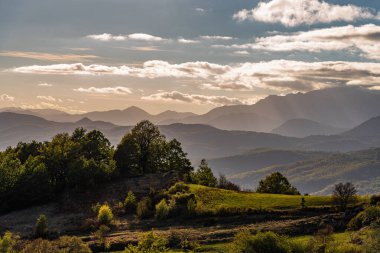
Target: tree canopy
276, 183
146, 150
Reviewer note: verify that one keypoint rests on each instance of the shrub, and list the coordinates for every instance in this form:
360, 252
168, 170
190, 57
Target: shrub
179, 187
224, 183
8, 243
162, 210
41, 227
95, 208
72, 244
374, 200
191, 206
267, 242
149, 243
130, 202
101, 234
364, 218
105, 215
40, 245
144, 208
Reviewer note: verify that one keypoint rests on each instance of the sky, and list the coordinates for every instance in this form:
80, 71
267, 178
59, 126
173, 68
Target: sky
184, 55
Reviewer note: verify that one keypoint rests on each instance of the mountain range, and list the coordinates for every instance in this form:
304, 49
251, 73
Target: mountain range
327, 112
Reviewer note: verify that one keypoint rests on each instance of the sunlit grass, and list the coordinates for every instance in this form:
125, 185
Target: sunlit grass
213, 198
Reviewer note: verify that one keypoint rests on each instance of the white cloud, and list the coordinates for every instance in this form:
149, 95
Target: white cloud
45, 85
50, 99
119, 90
186, 41
298, 12
216, 37
364, 39
133, 36
200, 9
242, 52
47, 105
47, 56
6, 97
198, 99
281, 75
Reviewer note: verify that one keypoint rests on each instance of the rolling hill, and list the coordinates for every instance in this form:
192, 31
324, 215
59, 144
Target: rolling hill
318, 175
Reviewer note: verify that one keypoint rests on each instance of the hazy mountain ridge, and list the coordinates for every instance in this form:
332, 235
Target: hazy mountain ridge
305, 127
316, 174
332, 109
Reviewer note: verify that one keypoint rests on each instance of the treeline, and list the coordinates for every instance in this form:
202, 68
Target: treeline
35, 172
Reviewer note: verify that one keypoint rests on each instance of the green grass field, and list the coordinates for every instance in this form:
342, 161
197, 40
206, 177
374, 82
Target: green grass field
213, 198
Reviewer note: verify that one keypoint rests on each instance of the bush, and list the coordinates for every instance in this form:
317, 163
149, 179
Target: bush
149, 243
144, 208
130, 203
267, 242
179, 187
365, 218
162, 210
374, 200
40, 245
191, 206
223, 183
72, 244
105, 215
8, 243
41, 227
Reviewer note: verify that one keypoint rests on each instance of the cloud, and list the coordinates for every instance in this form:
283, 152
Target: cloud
133, 36
50, 99
365, 39
200, 10
242, 52
303, 12
47, 56
198, 99
216, 37
45, 85
186, 41
6, 97
119, 90
280, 75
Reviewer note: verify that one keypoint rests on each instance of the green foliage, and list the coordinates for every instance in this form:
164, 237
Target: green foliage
41, 227
223, 183
8, 243
179, 187
267, 242
344, 194
365, 218
374, 199
65, 244
130, 202
145, 150
149, 243
213, 199
372, 242
162, 210
144, 208
34, 173
204, 175
276, 183
105, 215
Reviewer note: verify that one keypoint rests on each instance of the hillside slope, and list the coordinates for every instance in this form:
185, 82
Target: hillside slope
314, 175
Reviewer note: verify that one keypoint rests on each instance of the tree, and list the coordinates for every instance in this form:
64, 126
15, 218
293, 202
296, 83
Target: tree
204, 175
145, 150
224, 183
344, 194
276, 183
